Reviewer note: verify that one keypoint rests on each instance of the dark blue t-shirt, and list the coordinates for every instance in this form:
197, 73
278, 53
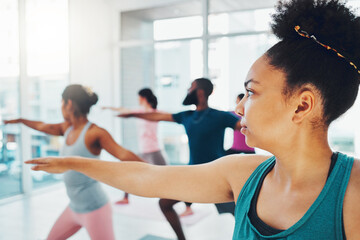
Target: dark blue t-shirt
205, 130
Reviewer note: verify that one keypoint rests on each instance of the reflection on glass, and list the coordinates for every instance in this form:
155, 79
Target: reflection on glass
177, 64
10, 164
48, 69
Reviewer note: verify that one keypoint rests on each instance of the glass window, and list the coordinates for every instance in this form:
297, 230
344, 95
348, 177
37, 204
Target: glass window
230, 59
172, 82
242, 21
10, 161
183, 16
178, 28
48, 73
137, 64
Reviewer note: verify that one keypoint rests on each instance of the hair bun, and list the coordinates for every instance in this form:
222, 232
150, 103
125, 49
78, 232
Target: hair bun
330, 21
94, 98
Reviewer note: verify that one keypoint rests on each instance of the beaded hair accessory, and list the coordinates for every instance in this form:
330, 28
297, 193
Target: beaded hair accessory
305, 34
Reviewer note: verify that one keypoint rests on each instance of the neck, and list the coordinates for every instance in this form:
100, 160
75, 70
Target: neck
77, 122
202, 106
147, 107
309, 155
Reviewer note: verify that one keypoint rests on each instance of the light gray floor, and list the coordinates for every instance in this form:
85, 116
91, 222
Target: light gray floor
31, 218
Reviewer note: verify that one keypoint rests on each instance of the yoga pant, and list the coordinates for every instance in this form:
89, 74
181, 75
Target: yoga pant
97, 223
155, 158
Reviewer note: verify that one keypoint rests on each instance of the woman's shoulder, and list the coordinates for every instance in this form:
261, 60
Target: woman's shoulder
95, 130
354, 181
351, 204
239, 167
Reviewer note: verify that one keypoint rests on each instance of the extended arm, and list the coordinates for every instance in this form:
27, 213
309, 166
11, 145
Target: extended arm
153, 116
218, 181
118, 109
57, 129
108, 143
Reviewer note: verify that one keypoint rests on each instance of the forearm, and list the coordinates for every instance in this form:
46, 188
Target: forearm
145, 116
131, 177
118, 109
37, 125
154, 116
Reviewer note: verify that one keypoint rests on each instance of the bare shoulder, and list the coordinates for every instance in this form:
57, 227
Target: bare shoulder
96, 133
95, 129
238, 168
351, 203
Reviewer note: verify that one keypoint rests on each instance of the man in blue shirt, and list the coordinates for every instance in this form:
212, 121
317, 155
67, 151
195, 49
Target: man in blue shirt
205, 128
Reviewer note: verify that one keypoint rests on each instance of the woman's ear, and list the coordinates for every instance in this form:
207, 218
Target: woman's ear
69, 105
305, 105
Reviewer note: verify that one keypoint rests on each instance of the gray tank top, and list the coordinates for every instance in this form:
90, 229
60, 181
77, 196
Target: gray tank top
86, 194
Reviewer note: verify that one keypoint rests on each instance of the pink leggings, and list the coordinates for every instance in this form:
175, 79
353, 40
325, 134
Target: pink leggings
98, 224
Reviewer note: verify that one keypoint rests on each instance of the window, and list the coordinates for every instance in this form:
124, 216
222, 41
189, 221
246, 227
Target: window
48, 74
10, 161
45, 76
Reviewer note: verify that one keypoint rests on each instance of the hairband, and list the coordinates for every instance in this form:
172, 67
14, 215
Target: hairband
88, 90
305, 34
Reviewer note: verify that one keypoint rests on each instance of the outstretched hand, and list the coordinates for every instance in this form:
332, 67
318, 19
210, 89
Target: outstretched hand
49, 164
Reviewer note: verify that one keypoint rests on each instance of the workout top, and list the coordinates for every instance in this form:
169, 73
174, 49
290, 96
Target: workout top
239, 143
323, 220
147, 134
86, 194
205, 130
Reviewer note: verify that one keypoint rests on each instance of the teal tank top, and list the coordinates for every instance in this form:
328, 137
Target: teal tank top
86, 194
323, 220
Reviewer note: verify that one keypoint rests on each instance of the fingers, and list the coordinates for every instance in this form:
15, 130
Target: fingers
37, 161
39, 167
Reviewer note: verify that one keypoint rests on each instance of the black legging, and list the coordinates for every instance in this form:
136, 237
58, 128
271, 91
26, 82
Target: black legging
166, 206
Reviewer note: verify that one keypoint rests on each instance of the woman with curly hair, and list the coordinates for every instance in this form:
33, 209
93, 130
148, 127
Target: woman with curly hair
294, 91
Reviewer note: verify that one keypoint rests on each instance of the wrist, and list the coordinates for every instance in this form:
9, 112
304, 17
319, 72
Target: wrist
68, 163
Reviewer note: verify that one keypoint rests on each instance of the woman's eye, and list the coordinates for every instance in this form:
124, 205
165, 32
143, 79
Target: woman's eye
249, 92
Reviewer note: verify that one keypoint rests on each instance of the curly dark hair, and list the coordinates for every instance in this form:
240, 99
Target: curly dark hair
304, 61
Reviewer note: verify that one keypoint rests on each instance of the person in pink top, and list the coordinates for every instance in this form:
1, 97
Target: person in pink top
147, 132
239, 144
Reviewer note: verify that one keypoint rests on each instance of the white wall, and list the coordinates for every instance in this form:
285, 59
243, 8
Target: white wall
91, 50
93, 29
